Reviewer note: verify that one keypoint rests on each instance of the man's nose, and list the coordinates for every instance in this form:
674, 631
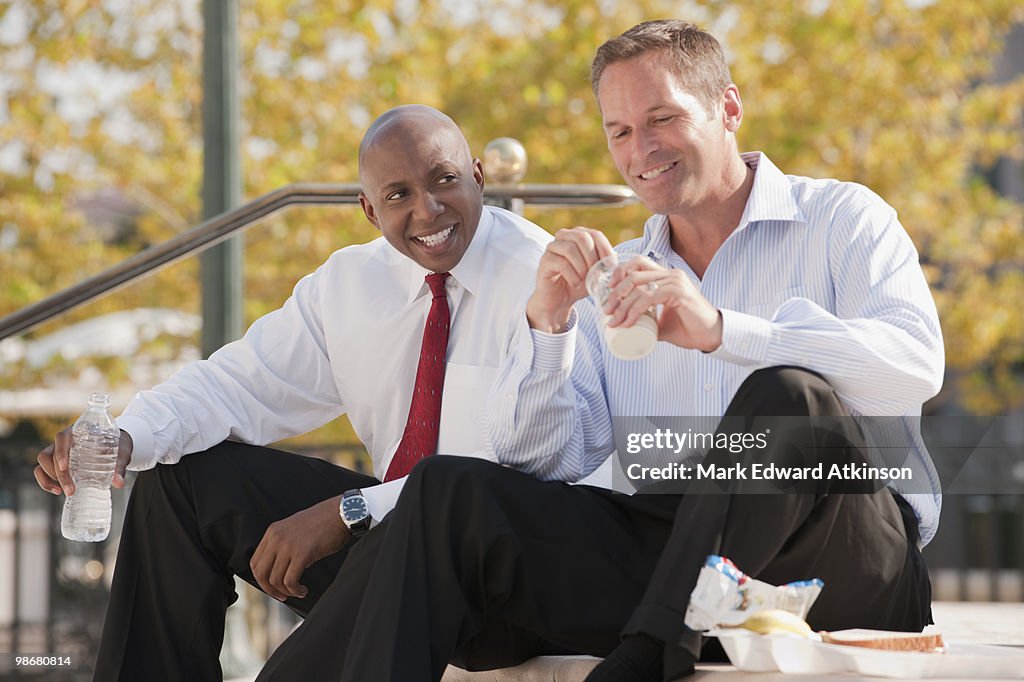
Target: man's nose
645, 142
428, 207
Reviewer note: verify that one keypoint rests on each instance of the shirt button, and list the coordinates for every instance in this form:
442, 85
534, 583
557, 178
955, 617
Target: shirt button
708, 387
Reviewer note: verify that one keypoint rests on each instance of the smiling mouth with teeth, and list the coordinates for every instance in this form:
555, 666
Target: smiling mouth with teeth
655, 172
436, 238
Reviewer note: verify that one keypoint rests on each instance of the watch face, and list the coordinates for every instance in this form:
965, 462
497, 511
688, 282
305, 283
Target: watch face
354, 509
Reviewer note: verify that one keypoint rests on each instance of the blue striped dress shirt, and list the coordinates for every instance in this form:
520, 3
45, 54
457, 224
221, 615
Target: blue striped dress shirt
818, 274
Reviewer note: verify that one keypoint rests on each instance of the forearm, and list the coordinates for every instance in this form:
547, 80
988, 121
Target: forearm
273, 383
873, 334
189, 413
884, 366
547, 414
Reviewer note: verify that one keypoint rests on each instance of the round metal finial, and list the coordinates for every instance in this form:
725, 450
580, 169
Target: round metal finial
504, 160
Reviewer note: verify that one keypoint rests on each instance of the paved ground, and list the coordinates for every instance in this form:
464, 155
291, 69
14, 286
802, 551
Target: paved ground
981, 623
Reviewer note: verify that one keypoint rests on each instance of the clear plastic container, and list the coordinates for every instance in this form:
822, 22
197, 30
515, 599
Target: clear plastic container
625, 343
95, 438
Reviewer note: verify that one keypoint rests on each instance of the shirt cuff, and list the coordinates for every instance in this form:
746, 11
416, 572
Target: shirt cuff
554, 352
381, 499
143, 452
745, 339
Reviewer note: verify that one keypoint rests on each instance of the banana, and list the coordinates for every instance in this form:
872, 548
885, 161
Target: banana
773, 621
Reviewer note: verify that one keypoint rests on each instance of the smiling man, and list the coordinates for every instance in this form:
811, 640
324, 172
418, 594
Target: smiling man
778, 296
403, 334
780, 300
435, 228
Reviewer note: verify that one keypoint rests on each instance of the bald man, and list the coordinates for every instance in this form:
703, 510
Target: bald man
425, 309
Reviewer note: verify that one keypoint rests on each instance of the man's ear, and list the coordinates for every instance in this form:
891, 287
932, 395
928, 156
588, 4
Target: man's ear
732, 108
368, 211
478, 173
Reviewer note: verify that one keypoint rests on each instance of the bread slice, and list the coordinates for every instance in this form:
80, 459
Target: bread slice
886, 640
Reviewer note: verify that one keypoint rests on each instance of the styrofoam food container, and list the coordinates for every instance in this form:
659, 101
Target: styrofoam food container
791, 654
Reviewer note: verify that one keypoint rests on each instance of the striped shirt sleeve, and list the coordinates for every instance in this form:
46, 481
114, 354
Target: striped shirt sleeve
547, 413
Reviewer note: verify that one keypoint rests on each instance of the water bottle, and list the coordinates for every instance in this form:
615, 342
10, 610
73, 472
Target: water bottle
94, 441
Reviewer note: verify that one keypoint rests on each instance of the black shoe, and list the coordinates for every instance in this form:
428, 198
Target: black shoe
636, 659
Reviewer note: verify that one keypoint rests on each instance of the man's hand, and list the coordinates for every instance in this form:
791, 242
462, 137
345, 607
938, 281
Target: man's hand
54, 471
561, 276
293, 544
687, 318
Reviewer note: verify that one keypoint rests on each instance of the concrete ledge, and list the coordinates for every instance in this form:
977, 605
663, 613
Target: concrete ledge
540, 669
970, 622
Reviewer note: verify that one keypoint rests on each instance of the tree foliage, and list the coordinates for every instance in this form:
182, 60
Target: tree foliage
106, 95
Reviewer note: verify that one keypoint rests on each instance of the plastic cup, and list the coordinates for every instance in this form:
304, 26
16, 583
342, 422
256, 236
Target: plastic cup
625, 343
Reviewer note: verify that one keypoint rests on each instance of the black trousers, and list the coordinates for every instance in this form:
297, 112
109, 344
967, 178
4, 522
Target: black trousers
484, 566
189, 528
857, 536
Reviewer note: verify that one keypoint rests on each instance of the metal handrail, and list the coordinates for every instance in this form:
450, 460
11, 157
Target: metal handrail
221, 227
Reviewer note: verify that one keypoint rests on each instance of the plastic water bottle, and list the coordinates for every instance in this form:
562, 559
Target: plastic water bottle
95, 438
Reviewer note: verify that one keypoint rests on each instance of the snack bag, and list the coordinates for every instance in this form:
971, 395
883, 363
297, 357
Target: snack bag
725, 596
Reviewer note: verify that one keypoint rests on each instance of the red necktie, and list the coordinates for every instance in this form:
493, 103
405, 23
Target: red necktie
421, 428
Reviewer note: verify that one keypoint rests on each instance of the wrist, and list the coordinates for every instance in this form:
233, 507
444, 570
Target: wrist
714, 337
354, 512
547, 321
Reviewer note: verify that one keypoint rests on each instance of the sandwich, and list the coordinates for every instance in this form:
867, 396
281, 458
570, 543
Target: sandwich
886, 640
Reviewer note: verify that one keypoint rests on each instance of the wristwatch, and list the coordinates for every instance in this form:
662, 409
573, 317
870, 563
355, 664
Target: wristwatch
354, 512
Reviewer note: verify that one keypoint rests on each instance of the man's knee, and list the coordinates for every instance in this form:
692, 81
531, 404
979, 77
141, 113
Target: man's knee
438, 469
146, 482
158, 489
785, 391
787, 380
459, 488
157, 482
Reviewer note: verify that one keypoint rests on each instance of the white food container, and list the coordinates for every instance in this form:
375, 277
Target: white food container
794, 655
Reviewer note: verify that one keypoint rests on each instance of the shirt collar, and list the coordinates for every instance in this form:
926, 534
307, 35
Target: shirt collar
467, 272
771, 198
656, 244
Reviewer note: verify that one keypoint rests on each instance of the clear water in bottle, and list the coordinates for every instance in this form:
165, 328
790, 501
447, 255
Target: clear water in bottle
95, 438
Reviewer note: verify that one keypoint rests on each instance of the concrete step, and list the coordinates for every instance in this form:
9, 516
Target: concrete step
540, 669
966, 622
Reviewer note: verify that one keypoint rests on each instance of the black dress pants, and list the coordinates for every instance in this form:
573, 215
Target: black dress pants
189, 528
858, 537
485, 566
482, 565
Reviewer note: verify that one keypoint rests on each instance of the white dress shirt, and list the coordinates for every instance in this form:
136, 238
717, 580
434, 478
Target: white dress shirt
818, 274
348, 341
